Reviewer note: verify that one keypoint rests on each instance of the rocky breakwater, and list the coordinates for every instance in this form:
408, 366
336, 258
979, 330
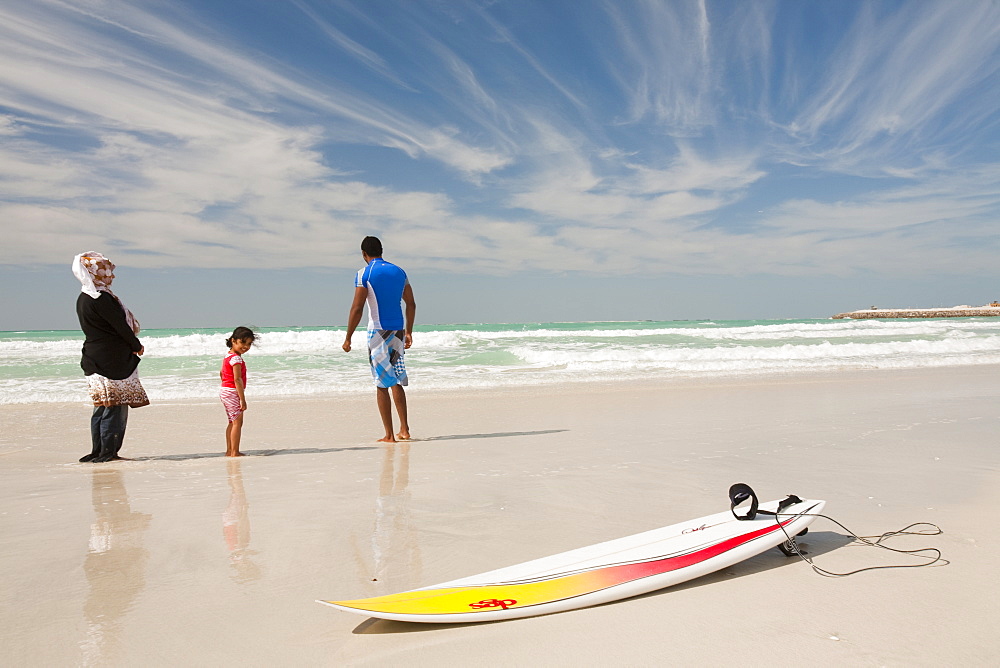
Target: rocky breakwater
949, 312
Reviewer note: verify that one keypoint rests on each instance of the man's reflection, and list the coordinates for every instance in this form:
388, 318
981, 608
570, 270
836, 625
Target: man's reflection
115, 566
394, 544
236, 526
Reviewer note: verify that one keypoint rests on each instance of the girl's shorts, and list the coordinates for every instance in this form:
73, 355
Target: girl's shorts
231, 402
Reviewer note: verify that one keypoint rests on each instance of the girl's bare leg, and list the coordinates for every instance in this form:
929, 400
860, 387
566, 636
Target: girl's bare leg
233, 433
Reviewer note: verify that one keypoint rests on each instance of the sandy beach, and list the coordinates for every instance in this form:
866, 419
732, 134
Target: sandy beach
183, 557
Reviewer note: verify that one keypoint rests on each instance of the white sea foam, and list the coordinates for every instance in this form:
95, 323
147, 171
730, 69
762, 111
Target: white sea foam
185, 365
825, 355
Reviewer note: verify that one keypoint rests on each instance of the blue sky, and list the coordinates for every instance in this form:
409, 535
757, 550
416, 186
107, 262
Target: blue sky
523, 161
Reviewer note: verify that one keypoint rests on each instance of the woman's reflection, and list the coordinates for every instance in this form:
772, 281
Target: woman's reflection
115, 566
394, 544
236, 527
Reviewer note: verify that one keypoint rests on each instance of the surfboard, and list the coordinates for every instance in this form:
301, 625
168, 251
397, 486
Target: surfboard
597, 574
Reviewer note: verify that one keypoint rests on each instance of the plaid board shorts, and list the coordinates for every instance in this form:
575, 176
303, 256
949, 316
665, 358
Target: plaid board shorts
385, 352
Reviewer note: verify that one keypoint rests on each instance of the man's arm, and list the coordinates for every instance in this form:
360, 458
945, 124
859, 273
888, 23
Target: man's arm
410, 314
354, 315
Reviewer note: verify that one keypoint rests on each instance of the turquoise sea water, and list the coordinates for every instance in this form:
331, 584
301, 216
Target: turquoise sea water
38, 367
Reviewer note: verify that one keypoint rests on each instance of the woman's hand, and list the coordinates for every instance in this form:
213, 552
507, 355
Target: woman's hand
141, 351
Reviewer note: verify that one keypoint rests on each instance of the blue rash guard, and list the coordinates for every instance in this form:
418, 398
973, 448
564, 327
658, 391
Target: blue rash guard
385, 282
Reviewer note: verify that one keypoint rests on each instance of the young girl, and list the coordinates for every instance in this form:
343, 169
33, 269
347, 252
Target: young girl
234, 380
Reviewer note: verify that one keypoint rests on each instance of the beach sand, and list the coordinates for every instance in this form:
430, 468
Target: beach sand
186, 558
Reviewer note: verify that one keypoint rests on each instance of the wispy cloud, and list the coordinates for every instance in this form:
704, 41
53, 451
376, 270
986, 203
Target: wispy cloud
55, 62
897, 85
668, 69
364, 55
658, 137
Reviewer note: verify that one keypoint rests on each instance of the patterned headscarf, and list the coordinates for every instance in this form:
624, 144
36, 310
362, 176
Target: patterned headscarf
93, 271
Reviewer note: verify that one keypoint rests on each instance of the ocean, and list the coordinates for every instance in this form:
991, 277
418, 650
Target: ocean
43, 366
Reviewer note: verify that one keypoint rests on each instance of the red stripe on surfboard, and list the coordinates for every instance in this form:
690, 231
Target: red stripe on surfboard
627, 572
630, 572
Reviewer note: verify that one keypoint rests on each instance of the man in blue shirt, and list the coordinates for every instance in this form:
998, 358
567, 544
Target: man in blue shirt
383, 285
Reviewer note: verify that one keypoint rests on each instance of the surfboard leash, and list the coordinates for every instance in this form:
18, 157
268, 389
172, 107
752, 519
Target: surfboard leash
931, 553
741, 492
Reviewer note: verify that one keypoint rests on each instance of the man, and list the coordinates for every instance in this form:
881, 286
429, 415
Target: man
383, 286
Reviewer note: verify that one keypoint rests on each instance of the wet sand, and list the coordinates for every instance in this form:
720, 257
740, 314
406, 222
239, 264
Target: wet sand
183, 557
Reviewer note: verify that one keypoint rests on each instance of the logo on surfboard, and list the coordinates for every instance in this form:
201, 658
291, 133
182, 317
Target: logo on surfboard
493, 603
701, 528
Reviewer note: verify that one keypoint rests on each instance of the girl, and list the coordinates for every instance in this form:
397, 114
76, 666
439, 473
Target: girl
234, 380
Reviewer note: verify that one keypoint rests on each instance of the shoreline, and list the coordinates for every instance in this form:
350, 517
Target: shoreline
296, 365
664, 380
239, 549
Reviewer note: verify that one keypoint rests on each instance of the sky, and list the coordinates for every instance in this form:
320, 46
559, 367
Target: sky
522, 160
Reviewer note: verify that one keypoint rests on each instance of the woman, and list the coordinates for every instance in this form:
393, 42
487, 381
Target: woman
110, 355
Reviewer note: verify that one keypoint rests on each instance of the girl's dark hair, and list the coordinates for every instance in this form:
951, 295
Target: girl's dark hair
241, 334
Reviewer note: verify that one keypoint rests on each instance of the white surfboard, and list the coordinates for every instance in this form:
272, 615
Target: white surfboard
596, 574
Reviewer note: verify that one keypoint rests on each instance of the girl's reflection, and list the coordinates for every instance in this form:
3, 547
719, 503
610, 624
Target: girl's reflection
115, 566
236, 527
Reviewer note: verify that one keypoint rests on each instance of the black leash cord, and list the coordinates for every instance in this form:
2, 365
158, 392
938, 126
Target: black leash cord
873, 541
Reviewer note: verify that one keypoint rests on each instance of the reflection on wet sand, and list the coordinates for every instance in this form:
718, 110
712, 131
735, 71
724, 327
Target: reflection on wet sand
236, 527
114, 566
395, 548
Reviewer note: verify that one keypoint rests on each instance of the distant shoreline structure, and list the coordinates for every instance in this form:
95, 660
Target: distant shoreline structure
943, 312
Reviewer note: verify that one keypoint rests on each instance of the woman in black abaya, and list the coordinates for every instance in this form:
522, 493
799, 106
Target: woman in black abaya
111, 354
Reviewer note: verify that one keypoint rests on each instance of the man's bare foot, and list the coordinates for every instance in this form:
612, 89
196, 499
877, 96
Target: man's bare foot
235, 454
403, 435
386, 439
